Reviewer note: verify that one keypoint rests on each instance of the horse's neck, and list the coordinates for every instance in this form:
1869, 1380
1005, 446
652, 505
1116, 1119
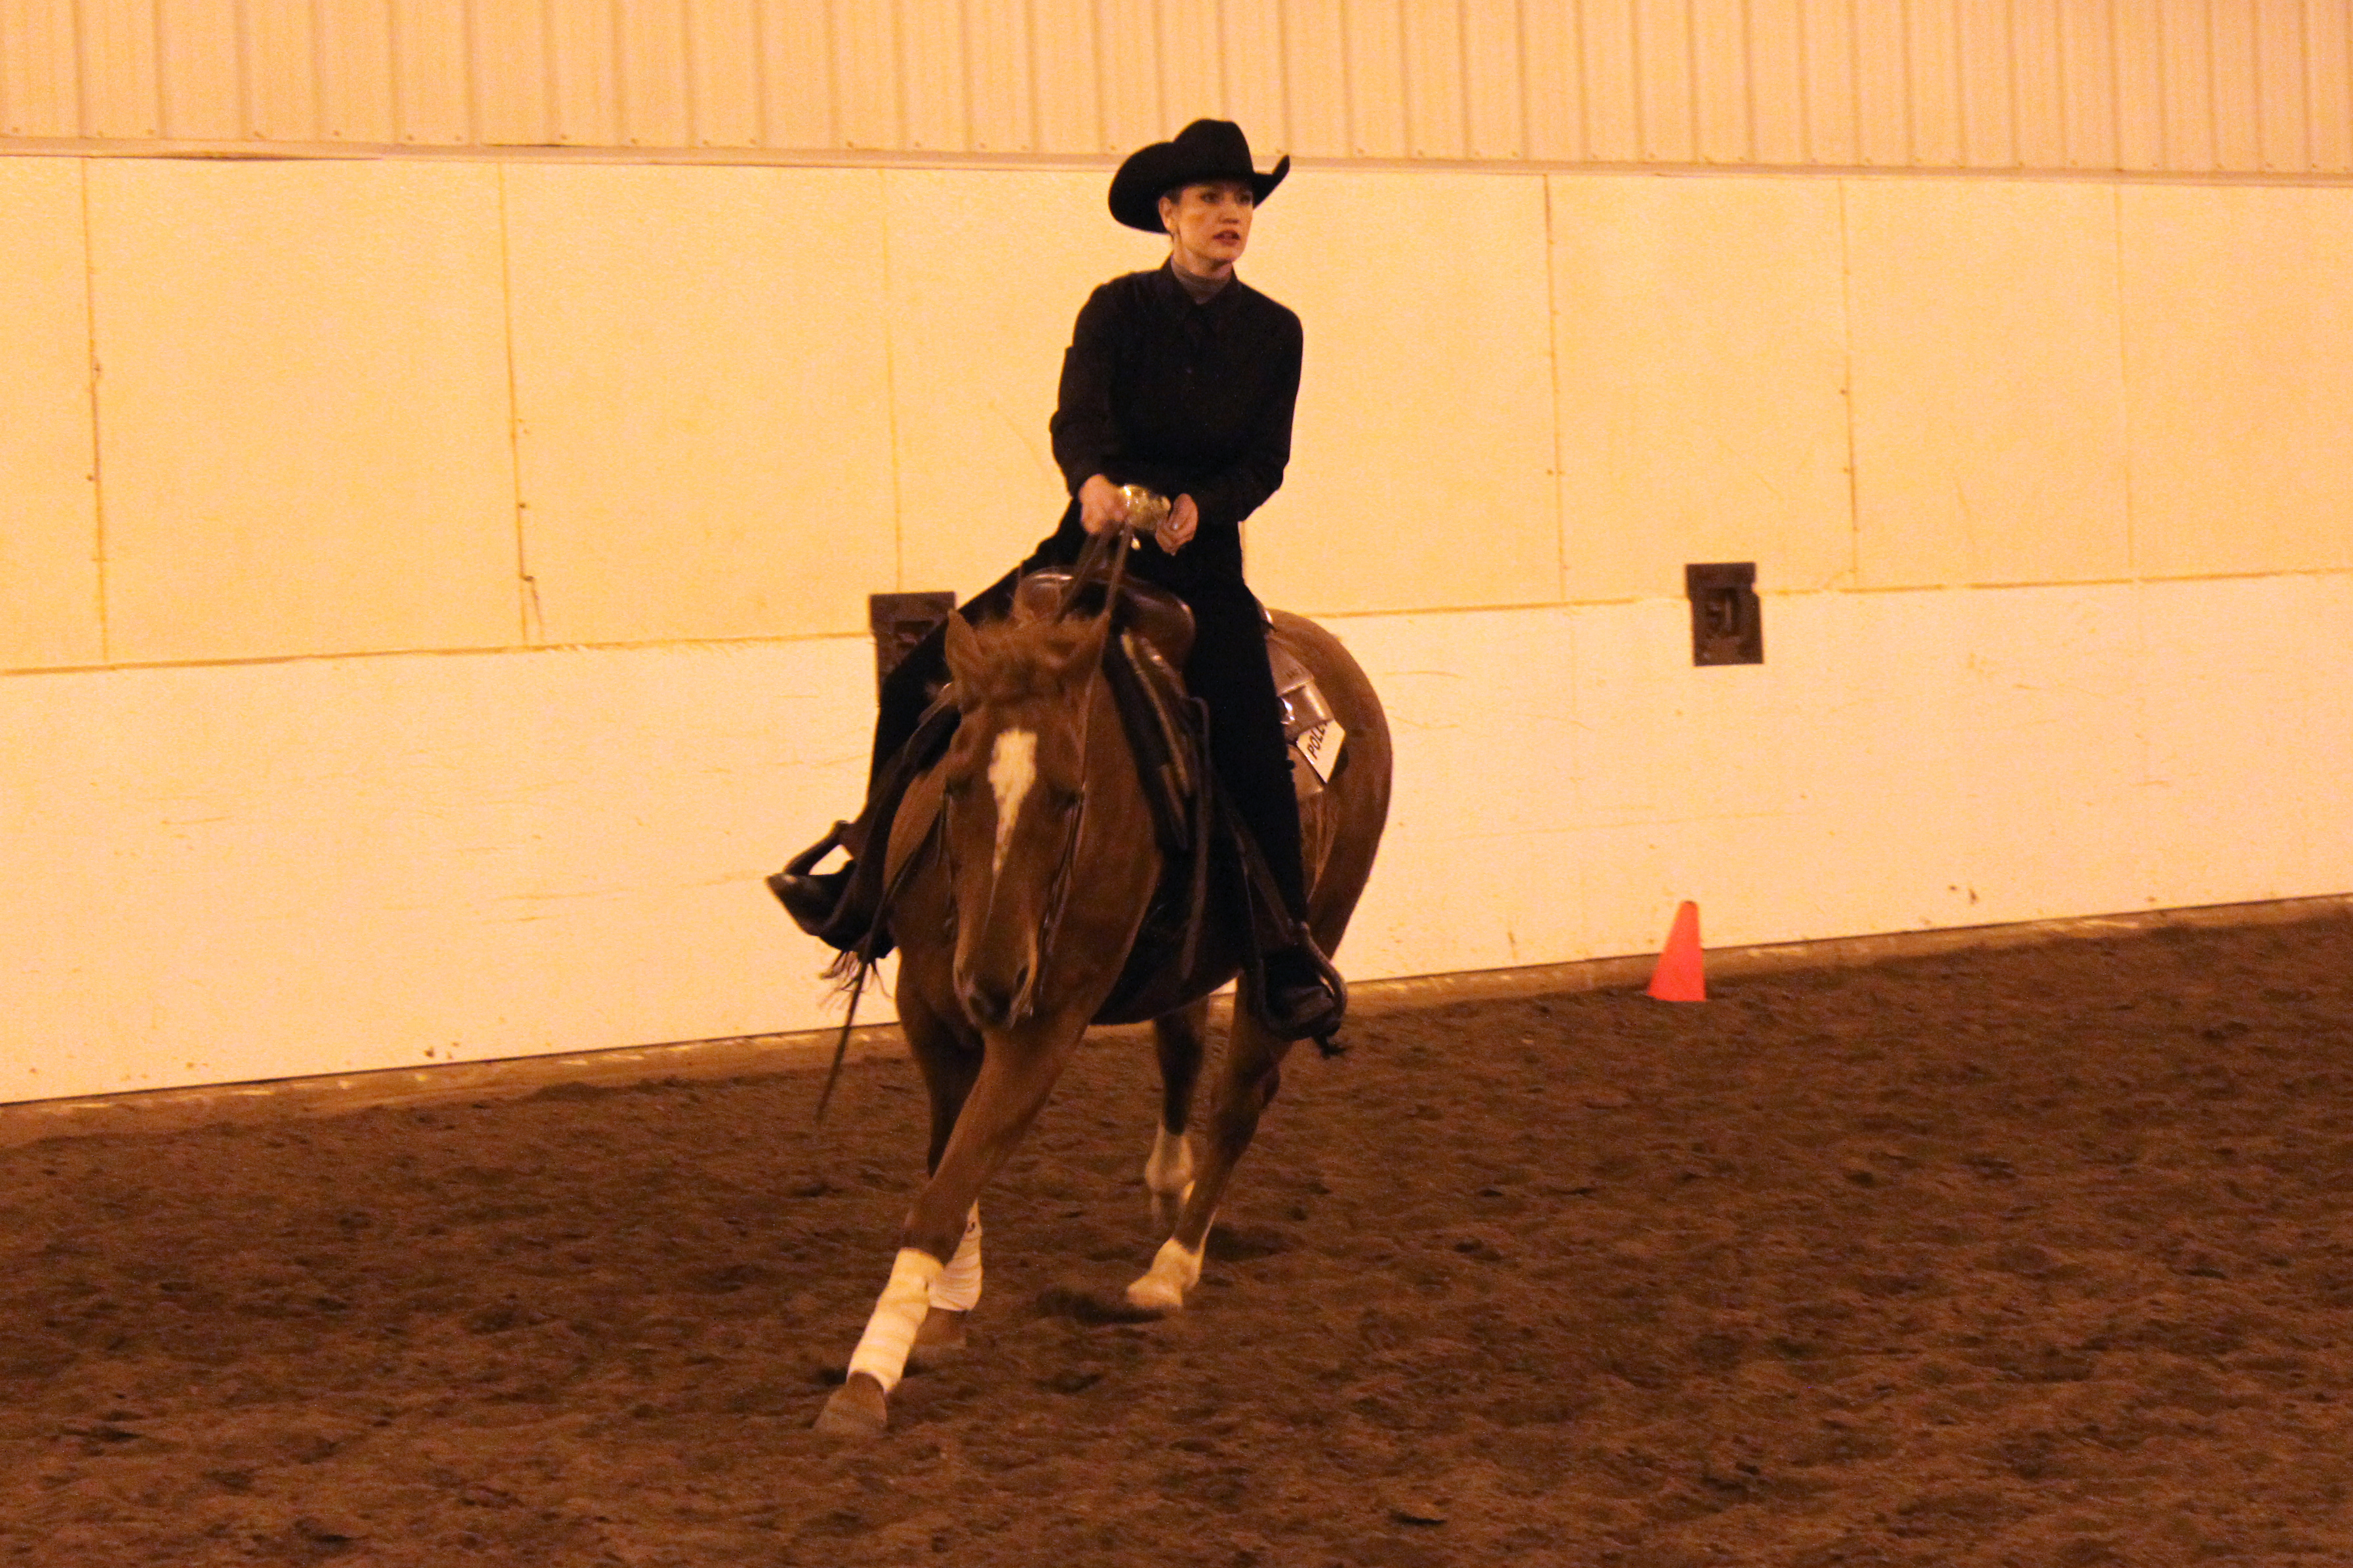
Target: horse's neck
1109, 761
1117, 829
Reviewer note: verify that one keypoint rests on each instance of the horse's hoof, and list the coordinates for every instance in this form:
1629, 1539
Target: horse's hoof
1176, 1269
858, 1408
1156, 1295
940, 1341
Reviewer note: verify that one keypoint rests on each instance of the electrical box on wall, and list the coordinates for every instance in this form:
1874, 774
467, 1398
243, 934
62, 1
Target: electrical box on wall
1727, 623
900, 621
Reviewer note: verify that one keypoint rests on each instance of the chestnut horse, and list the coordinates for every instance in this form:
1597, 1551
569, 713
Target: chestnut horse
1023, 865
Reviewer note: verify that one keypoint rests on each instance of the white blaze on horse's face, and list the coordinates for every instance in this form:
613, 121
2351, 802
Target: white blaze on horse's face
1012, 771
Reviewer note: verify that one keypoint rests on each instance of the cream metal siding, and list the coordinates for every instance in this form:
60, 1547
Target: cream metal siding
2250, 86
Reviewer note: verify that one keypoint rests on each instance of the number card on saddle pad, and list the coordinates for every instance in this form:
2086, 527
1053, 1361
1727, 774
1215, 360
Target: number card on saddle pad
1315, 736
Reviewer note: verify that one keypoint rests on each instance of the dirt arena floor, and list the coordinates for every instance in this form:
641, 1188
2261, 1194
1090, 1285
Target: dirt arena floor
2035, 1258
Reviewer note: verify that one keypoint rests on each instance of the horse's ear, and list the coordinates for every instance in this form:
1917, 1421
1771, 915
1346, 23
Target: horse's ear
963, 650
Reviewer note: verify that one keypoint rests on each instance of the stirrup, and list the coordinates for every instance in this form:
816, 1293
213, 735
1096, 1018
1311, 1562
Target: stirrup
809, 895
841, 908
1311, 1011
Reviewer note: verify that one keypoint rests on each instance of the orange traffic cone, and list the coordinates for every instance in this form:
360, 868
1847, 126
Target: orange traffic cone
1681, 976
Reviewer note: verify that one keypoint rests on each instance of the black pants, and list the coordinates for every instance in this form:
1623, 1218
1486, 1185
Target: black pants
1227, 670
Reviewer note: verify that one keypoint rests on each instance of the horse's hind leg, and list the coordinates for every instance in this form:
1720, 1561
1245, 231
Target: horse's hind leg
1253, 1071
1168, 1172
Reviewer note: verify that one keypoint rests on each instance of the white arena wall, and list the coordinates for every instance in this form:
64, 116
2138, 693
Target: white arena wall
431, 592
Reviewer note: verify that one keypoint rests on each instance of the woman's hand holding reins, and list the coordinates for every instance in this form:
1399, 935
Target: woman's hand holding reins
1105, 506
1101, 507
1183, 517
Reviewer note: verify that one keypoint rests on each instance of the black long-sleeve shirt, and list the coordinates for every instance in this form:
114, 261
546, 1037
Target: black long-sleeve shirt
1189, 399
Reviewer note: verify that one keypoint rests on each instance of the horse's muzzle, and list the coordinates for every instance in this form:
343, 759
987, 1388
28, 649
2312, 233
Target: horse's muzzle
993, 1003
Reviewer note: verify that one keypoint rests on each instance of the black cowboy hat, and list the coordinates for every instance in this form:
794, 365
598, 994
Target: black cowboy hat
1204, 150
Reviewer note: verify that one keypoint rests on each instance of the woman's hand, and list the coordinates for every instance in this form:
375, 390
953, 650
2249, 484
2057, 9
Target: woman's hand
1100, 506
1183, 517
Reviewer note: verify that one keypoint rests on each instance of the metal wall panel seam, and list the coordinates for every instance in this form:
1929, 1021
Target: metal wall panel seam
1832, 62
1031, 61
163, 66
1637, 73
321, 125
1185, 38
2140, 87
1748, 80
690, 84
827, 46
529, 621
968, 126
2124, 374
2113, 63
1525, 74
617, 50
1274, 78
2288, 67
1846, 337
1805, 48
1948, 77
2339, 132
2276, 66
434, 69
932, 72
1466, 140
972, 138
1613, 124
1882, 127
1352, 83
97, 449
2017, 109
1552, 359
121, 78
890, 387
247, 92
395, 77
757, 78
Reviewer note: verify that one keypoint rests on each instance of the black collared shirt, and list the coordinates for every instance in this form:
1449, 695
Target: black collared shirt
1189, 399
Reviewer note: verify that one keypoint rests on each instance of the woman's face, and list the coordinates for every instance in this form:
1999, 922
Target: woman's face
1209, 226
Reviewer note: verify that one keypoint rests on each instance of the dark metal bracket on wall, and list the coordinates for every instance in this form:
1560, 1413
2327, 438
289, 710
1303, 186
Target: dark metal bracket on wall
1727, 622
900, 621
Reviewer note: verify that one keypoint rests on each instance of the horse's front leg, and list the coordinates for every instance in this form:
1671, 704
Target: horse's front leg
1017, 1074
948, 1053
1253, 1071
1168, 1171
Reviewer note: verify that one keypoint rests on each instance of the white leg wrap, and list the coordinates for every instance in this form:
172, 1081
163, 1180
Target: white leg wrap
881, 1353
1175, 1270
1169, 1171
958, 1289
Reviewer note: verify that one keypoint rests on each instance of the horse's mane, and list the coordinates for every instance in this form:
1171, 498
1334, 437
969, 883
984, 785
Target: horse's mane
1021, 660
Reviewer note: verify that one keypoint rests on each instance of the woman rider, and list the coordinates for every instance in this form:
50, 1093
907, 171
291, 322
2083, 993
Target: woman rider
1181, 380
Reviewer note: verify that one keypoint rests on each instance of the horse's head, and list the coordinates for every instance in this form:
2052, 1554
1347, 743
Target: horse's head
1014, 782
